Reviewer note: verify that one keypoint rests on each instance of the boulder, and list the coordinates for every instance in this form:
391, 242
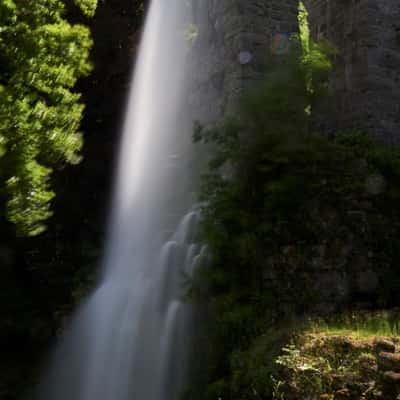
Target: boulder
390, 385
388, 361
392, 377
384, 345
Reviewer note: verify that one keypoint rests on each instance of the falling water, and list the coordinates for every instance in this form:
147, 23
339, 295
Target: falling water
131, 337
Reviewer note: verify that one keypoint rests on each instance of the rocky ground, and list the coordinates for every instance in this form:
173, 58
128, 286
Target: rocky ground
340, 366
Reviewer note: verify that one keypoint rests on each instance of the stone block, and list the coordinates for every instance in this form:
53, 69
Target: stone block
388, 361
384, 345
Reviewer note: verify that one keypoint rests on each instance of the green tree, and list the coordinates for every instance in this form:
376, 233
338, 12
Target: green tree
41, 57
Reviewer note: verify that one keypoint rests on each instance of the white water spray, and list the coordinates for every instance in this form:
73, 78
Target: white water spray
130, 339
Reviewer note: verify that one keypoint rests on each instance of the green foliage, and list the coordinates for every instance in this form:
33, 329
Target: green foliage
88, 7
41, 57
253, 369
304, 28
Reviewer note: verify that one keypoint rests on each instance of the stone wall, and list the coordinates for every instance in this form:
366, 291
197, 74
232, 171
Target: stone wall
366, 77
249, 30
384, 69
238, 36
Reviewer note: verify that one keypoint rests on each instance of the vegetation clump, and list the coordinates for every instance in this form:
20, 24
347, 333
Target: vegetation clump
41, 55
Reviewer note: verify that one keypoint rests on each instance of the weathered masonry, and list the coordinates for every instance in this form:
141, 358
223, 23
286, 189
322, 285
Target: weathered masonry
237, 37
366, 77
366, 33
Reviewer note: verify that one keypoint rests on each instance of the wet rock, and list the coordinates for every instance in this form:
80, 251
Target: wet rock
390, 385
384, 345
343, 394
388, 361
392, 377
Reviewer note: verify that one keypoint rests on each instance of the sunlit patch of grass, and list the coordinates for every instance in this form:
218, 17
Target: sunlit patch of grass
359, 324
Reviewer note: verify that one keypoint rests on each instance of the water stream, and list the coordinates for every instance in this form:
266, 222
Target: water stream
130, 339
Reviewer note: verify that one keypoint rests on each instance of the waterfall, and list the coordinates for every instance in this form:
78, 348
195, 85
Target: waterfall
130, 339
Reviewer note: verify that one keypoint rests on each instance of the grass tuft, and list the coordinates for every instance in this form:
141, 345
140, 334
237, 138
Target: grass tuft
359, 324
